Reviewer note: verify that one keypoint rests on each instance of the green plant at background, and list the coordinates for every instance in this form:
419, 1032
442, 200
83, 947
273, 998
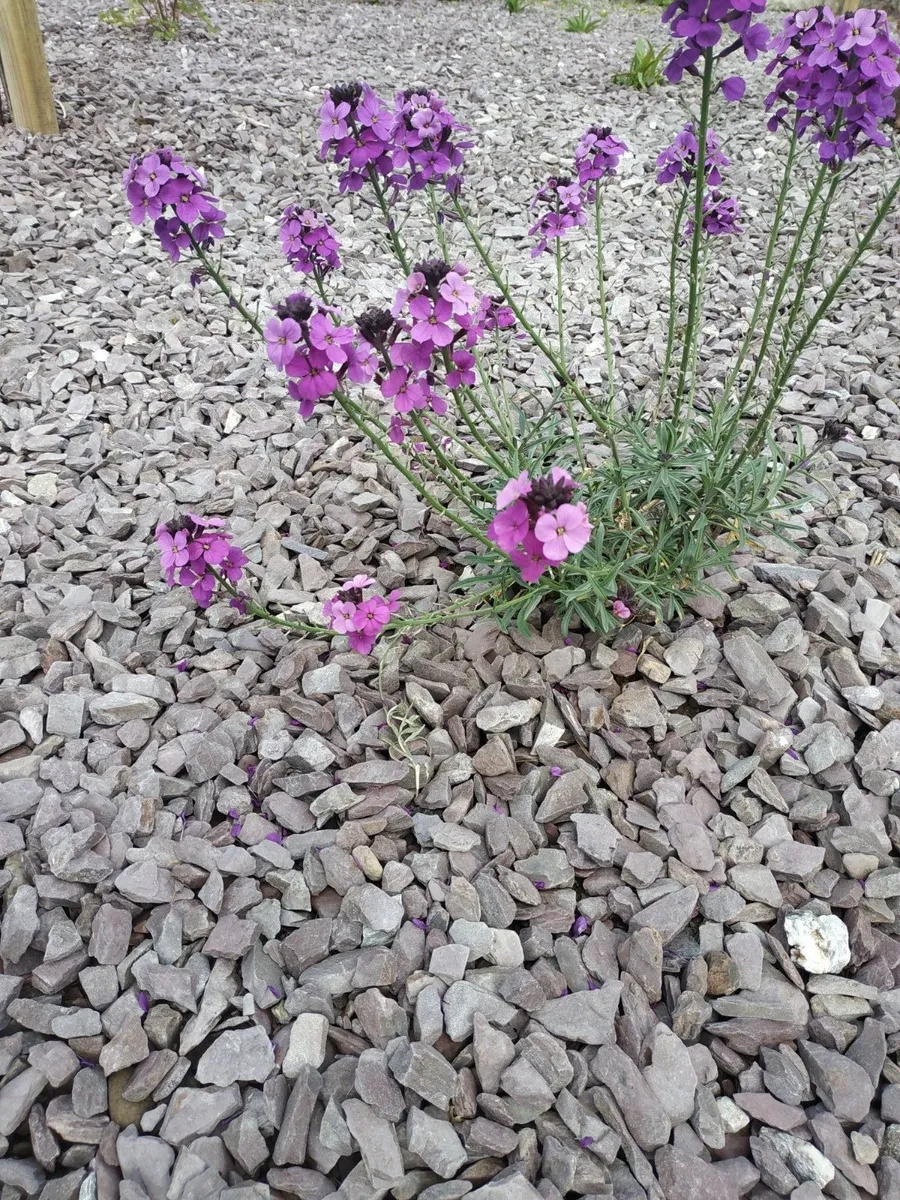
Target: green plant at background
646, 67
163, 17
583, 21
514, 6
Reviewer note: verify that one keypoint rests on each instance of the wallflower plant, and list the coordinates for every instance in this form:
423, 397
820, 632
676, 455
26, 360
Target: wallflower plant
559, 493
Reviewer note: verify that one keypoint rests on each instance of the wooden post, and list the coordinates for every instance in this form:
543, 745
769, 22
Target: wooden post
25, 67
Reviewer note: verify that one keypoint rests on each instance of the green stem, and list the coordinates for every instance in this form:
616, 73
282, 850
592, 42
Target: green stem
559, 368
219, 279
560, 304
694, 295
439, 230
781, 288
604, 311
677, 235
809, 328
396, 242
774, 234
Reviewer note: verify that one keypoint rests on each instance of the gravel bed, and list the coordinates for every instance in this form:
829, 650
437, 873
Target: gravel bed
493, 916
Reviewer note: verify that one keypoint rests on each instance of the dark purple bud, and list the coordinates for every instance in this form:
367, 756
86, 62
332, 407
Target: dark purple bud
579, 926
143, 1003
793, 754
182, 666
293, 721
274, 990
585, 1142
539, 884
701, 686
419, 923
251, 771
236, 830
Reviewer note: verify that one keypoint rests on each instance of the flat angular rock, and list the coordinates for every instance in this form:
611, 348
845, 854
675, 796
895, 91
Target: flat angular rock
671, 1074
647, 1120
424, 1071
684, 1176
377, 1142
668, 916
293, 1134
238, 1055
841, 1084
17, 1097
194, 1112
583, 1016
436, 1143
766, 685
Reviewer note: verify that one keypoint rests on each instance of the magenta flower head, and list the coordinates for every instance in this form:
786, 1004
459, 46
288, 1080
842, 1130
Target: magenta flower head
563, 201
195, 552
425, 145
361, 619
701, 25
308, 242
720, 216
838, 75
621, 610
162, 187
679, 160
537, 523
597, 157
306, 340
355, 128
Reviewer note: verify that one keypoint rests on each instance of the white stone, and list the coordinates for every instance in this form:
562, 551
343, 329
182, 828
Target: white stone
802, 1157
309, 1039
733, 1118
819, 944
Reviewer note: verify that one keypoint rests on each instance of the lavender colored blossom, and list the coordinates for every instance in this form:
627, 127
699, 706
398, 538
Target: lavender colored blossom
702, 25
425, 145
679, 160
308, 241
597, 156
306, 340
361, 619
838, 75
537, 524
721, 215
165, 189
355, 128
194, 550
565, 212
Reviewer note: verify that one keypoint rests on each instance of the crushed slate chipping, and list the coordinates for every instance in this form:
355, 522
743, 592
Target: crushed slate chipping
595, 920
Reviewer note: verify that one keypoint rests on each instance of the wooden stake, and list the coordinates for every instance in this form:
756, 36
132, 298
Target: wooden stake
25, 67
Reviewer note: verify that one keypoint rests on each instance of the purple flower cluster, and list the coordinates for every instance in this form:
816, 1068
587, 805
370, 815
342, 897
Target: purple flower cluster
362, 620
163, 187
413, 145
840, 74
679, 160
701, 24
597, 156
355, 127
308, 241
424, 139
426, 340
564, 211
193, 548
537, 524
721, 215
306, 341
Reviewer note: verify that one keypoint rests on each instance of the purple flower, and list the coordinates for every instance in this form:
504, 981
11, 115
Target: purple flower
164, 188
537, 524
579, 926
143, 1002
733, 87
839, 75
182, 666
347, 611
584, 1142
274, 837
194, 550
701, 25
556, 772
720, 216
425, 146
308, 241
597, 156
679, 160
274, 990
563, 200
419, 923
282, 341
